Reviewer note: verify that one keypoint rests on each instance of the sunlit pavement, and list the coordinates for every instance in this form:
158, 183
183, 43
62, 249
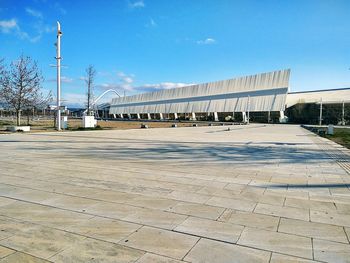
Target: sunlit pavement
257, 193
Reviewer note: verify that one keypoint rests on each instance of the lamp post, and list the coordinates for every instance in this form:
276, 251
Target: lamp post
320, 120
58, 58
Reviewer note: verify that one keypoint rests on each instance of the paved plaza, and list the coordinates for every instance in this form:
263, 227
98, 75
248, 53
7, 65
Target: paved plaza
257, 193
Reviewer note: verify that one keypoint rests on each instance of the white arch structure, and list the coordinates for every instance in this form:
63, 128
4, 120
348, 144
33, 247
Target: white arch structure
104, 93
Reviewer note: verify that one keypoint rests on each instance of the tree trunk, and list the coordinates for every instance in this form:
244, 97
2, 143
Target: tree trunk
18, 115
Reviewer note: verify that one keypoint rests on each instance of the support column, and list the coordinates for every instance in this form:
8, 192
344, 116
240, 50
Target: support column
268, 117
320, 120
149, 116
282, 117
129, 116
121, 115
233, 116
216, 117
175, 116
161, 116
138, 116
193, 116
343, 114
244, 117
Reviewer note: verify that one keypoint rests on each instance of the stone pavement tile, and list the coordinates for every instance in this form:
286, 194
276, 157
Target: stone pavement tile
162, 242
277, 242
91, 250
156, 218
41, 214
198, 210
152, 258
20, 257
343, 208
74, 190
285, 193
329, 251
188, 197
112, 210
262, 198
31, 195
40, 241
5, 251
332, 218
210, 229
289, 212
9, 226
113, 196
209, 190
250, 219
310, 204
152, 202
78, 204
278, 258
111, 230
314, 230
238, 204
209, 251
6, 201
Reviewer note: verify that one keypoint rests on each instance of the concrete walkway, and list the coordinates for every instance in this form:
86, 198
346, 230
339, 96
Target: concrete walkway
257, 193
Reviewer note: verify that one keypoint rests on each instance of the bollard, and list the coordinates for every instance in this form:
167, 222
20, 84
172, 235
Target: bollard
330, 129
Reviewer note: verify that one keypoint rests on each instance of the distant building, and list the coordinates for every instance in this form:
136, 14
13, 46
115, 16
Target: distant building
265, 92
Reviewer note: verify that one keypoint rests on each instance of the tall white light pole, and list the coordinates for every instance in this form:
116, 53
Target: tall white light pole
58, 58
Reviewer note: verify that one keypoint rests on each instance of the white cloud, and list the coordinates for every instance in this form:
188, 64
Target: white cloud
207, 41
34, 13
162, 86
137, 4
60, 9
64, 79
7, 26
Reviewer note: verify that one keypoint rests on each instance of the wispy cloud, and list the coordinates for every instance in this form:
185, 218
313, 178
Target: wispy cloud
136, 4
64, 79
151, 23
7, 26
162, 86
207, 41
34, 13
39, 27
11, 27
60, 9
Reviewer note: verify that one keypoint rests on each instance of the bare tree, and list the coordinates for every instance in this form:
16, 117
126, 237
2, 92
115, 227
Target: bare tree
89, 80
21, 86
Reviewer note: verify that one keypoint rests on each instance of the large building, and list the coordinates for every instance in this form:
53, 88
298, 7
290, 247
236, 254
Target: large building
265, 92
328, 96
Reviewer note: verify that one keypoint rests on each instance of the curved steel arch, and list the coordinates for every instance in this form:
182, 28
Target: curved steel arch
104, 93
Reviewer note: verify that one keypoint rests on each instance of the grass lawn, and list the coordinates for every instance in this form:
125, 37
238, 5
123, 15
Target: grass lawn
341, 136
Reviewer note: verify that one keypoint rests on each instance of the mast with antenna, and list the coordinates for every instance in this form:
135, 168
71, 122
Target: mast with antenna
58, 58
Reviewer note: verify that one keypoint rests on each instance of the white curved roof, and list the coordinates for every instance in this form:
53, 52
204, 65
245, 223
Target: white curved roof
261, 92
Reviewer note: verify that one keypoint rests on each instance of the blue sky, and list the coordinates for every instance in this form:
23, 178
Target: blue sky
144, 45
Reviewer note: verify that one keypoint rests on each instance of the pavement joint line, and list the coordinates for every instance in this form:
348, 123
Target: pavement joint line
17, 251
270, 257
183, 258
346, 234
